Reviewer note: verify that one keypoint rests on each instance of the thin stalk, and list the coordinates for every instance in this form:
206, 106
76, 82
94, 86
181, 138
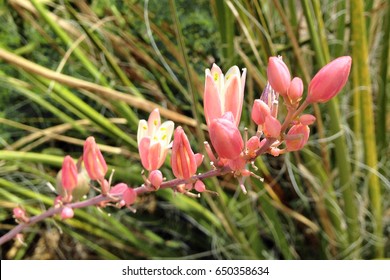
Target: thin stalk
381, 130
361, 63
341, 151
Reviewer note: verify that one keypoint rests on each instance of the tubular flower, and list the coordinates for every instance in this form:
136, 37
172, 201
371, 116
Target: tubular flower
278, 75
127, 195
68, 175
270, 97
154, 140
272, 127
225, 137
297, 137
223, 93
93, 160
329, 80
183, 161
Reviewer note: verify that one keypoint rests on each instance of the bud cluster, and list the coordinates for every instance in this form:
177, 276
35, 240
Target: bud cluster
229, 151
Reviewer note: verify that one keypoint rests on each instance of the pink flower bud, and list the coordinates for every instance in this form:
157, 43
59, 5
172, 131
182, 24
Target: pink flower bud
199, 186
278, 75
68, 175
272, 127
260, 111
297, 137
183, 159
226, 138
155, 178
19, 213
329, 80
295, 90
67, 213
252, 145
93, 160
127, 194
307, 119
223, 93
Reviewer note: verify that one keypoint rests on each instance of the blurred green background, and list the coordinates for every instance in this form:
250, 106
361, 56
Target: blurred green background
70, 69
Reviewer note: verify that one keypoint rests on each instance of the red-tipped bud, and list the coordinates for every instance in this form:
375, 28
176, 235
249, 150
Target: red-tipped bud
155, 178
278, 75
226, 138
297, 137
183, 159
272, 127
307, 119
199, 186
260, 111
93, 160
67, 213
68, 175
295, 90
329, 80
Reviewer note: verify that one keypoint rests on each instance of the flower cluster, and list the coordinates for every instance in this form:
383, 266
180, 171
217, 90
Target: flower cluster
230, 150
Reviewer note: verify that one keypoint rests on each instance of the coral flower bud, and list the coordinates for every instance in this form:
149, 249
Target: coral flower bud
307, 119
127, 194
68, 174
19, 213
225, 137
278, 75
297, 137
93, 160
295, 90
183, 161
199, 186
272, 127
329, 80
252, 145
155, 178
260, 111
67, 213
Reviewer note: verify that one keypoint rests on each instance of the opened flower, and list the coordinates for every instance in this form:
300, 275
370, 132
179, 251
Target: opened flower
154, 140
223, 93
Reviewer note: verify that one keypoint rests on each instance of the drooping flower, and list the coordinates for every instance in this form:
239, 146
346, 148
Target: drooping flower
93, 160
183, 161
278, 75
154, 140
225, 137
329, 80
223, 93
307, 119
